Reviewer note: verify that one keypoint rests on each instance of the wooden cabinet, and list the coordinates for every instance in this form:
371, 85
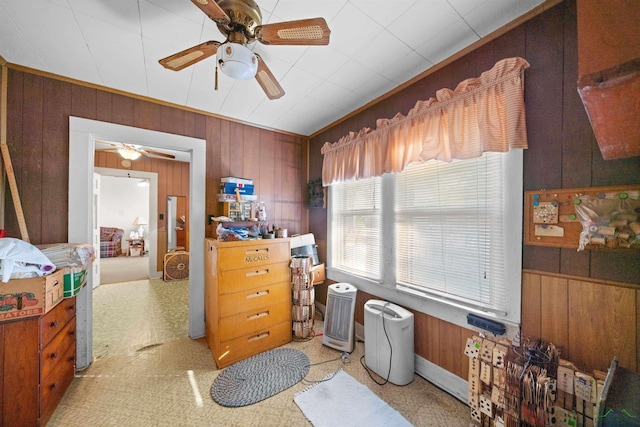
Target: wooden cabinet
37, 364
247, 297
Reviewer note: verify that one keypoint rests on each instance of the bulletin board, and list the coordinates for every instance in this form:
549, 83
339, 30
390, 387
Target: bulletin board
584, 218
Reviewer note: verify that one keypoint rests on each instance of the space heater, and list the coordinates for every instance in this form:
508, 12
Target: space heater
339, 324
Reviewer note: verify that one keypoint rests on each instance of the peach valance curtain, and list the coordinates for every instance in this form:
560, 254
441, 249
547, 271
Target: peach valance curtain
482, 114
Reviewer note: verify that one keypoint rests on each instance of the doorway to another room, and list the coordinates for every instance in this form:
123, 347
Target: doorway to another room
125, 206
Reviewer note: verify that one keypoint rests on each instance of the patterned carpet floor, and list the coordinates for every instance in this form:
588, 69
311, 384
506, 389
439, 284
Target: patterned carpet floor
147, 372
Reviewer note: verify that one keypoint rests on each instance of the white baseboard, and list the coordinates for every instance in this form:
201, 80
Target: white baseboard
440, 377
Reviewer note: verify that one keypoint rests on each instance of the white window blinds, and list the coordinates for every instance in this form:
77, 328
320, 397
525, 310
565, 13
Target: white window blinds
356, 227
449, 226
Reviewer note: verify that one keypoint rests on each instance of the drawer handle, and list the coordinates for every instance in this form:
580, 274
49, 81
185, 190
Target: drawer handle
54, 355
255, 251
72, 332
257, 294
71, 307
56, 283
54, 324
258, 315
257, 273
53, 386
258, 337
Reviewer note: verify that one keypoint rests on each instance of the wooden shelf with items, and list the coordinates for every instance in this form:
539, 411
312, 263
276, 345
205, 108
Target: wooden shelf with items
584, 218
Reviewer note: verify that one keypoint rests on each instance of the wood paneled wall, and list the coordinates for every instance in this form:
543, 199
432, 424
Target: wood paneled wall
38, 110
173, 180
591, 321
562, 153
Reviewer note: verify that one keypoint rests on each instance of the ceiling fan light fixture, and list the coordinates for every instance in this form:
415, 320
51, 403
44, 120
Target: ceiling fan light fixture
237, 61
129, 154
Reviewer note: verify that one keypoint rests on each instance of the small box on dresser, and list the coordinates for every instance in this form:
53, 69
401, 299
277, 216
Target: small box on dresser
247, 297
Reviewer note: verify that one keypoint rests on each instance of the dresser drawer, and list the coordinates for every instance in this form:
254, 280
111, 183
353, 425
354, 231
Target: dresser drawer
53, 322
252, 299
251, 321
257, 342
249, 254
252, 277
56, 351
56, 383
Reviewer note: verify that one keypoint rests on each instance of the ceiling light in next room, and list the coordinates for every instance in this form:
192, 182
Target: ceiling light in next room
128, 154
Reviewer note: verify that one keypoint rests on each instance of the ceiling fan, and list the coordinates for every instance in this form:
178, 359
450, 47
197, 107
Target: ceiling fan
241, 22
133, 152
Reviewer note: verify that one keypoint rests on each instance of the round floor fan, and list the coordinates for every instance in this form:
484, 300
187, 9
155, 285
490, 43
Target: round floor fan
176, 266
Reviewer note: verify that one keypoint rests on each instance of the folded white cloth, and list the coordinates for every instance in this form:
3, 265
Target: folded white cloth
20, 259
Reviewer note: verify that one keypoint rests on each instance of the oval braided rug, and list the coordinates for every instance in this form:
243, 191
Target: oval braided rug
261, 376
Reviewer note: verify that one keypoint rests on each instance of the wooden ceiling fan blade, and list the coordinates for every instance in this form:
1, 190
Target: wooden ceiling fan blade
212, 10
267, 80
187, 57
305, 32
156, 153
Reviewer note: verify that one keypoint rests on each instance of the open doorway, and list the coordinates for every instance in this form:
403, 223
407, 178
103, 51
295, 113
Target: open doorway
125, 204
82, 136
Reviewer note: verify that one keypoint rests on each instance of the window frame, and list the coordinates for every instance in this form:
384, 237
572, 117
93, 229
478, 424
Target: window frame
430, 303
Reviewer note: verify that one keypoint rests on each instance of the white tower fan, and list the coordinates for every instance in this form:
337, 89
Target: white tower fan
339, 324
388, 341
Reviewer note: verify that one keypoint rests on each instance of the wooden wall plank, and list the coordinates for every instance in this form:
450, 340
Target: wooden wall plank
451, 355
29, 167
544, 51
554, 311
84, 102
531, 305
57, 101
576, 133
122, 110
602, 323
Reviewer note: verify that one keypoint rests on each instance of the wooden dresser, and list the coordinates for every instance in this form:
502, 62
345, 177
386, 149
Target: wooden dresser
37, 363
247, 297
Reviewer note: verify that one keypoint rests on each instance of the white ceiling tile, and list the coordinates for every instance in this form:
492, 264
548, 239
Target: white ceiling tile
422, 21
292, 10
321, 61
178, 32
15, 46
448, 42
383, 49
329, 93
351, 30
405, 68
383, 12
121, 13
496, 13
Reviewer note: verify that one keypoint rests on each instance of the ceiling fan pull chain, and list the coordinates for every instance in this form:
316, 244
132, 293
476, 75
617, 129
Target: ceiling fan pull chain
216, 84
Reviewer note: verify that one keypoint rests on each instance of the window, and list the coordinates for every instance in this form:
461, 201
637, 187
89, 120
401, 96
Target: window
449, 233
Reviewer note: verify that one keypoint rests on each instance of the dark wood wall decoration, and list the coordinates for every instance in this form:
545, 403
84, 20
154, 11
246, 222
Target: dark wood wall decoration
563, 153
38, 113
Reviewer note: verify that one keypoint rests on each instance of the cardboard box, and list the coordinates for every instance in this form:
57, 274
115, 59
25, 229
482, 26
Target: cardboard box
319, 274
236, 180
73, 282
22, 298
231, 187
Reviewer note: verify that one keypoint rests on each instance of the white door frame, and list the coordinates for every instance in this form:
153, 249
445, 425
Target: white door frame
82, 136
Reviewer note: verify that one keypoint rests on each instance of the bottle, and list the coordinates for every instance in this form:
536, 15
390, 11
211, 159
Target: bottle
261, 212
